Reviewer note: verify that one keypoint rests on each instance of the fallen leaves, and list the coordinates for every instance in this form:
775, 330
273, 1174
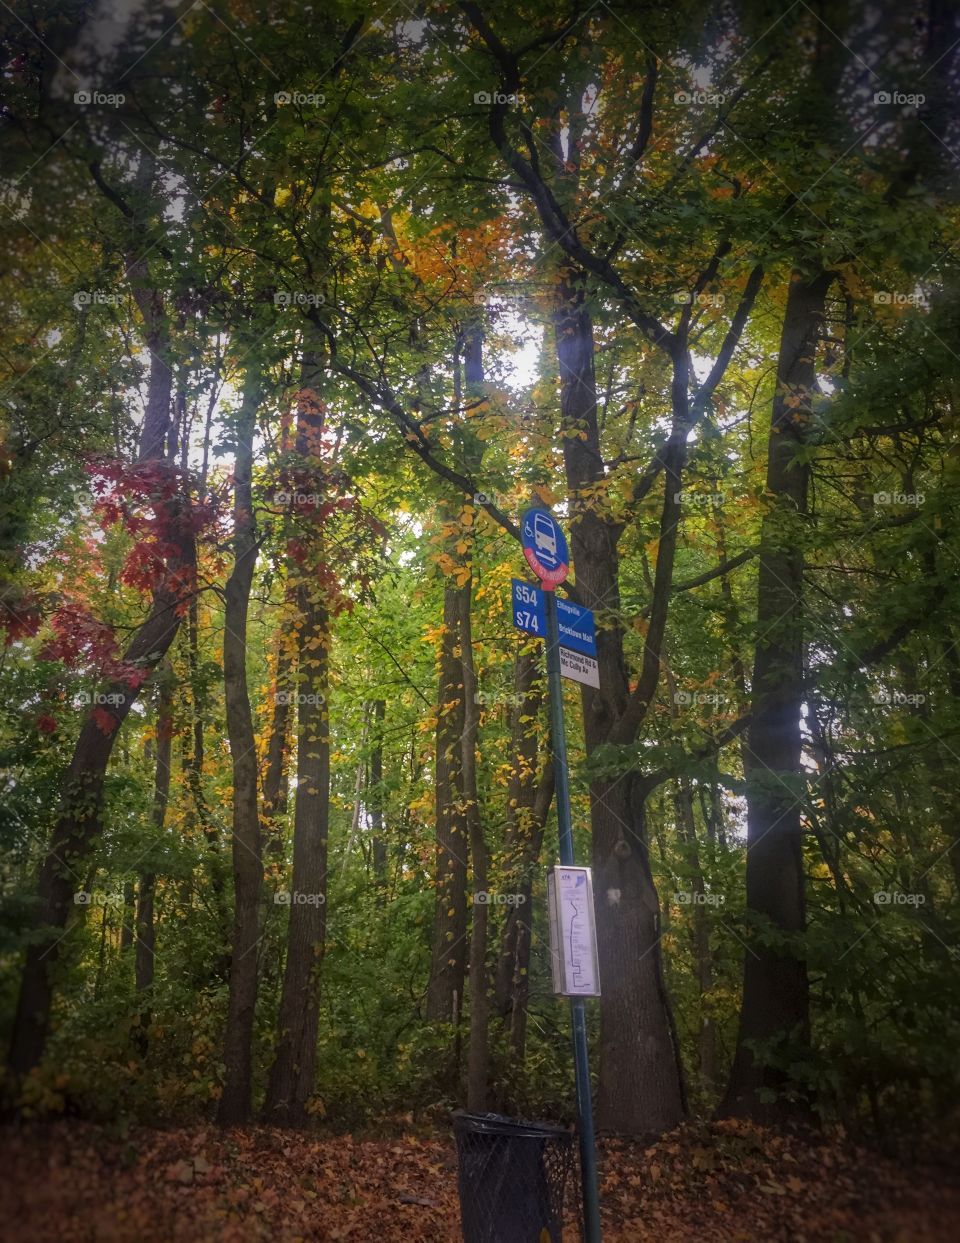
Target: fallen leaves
71, 1182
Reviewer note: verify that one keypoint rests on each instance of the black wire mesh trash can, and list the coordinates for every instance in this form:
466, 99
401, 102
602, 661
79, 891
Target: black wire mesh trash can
512, 1177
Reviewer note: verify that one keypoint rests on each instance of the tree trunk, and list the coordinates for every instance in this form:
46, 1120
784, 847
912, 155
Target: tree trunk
146, 930
640, 1083
529, 795
703, 958
275, 777
79, 823
235, 1103
292, 1073
478, 1055
126, 926
774, 1014
448, 963
375, 798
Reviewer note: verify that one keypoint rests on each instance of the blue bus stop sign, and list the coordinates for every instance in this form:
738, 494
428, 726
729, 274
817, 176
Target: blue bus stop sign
544, 547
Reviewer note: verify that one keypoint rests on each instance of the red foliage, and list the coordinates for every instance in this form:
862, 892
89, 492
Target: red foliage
86, 644
105, 721
152, 503
20, 615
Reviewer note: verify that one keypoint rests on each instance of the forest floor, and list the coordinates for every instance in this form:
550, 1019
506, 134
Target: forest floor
73, 1182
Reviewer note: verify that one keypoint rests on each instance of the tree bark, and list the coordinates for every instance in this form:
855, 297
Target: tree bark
529, 794
703, 958
79, 822
640, 1084
774, 1014
146, 929
235, 1102
375, 798
292, 1073
478, 1054
448, 962
278, 747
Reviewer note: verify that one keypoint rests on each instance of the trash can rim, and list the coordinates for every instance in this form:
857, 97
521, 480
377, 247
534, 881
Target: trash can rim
499, 1124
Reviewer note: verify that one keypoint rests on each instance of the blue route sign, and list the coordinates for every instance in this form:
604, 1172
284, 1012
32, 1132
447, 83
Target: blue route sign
545, 547
576, 627
529, 608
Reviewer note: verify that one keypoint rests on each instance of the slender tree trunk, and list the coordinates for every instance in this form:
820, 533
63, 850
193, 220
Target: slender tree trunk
703, 958
521, 795
478, 1056
278, 746
774, 1014
146, 930
126, 926
529, 795
235, 1103
448, 963
375, 798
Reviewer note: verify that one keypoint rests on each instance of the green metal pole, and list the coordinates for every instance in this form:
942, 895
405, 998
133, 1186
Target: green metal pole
581, 1058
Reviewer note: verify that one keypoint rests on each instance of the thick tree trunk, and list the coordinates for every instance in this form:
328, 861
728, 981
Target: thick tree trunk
292, 1073
774, 1014
640, 1084
235, 1103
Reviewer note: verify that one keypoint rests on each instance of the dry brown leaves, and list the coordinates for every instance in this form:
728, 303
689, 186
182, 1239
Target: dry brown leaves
69, 1182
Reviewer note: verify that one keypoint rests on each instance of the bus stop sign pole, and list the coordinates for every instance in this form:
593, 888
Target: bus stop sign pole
545, 549
581, 1061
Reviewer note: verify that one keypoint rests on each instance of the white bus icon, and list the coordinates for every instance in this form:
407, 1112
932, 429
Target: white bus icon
544, 536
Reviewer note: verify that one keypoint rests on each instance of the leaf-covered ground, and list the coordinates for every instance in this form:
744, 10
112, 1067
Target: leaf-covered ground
72, 1182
